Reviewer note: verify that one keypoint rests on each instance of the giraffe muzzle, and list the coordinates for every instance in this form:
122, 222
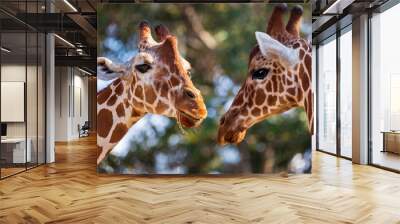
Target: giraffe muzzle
233, 136
188, 120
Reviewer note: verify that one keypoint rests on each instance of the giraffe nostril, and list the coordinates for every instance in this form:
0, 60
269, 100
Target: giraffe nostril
189, 94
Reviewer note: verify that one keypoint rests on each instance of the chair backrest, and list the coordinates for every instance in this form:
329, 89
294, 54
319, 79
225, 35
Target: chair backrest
86, 125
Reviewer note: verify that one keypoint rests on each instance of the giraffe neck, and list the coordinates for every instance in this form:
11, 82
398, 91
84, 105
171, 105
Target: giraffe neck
118, 111
303, 95
305, 80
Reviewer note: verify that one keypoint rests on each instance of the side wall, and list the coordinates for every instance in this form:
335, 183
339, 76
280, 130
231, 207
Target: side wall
71, 102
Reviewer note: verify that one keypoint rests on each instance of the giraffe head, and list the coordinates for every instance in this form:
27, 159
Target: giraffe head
278, 78
158, 78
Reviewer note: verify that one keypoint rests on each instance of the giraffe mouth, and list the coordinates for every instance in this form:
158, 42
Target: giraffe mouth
188, 120
232, 136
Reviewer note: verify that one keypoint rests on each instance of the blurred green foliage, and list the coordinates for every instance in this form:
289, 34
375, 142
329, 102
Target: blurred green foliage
269, 145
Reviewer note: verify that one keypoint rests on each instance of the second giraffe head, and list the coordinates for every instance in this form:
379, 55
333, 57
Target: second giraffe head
279, 78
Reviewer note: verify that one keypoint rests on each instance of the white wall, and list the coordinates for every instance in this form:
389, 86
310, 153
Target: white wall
61, 103
16, 73
33, 126
71, 102
80, 110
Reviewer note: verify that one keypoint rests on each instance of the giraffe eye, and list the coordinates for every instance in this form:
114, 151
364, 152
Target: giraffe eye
143, 68
260, 73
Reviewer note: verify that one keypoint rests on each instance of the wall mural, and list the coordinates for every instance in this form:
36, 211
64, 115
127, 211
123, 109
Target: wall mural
204, 88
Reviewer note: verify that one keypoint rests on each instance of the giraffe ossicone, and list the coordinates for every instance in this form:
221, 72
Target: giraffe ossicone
155, 80
279, 78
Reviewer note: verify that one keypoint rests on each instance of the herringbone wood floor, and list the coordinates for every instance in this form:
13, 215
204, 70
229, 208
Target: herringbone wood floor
70, 191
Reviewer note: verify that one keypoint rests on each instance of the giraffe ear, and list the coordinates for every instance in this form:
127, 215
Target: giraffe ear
107, 70
270, 46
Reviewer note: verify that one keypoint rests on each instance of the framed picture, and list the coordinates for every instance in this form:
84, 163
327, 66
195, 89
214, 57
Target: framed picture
204, 88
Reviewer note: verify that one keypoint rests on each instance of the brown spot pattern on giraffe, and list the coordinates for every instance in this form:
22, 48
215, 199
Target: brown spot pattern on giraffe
164, 90
116, 82
299, 95
103, 95
303, 78
272, 100
282, 100
126, 102
288, 82
119, 89
256, 112
250, 101
174, 80
119, 132
150, 95
244, 111
281, 89
301, 54
135, 113
99, 149
137, 104
238, 99
260, 97
139, 92
112, 100
307, 62
292, 91
290, 99
120, 110
269, 88
161, 107
105, 124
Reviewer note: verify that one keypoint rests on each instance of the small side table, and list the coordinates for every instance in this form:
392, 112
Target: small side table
15, 152
391, 141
